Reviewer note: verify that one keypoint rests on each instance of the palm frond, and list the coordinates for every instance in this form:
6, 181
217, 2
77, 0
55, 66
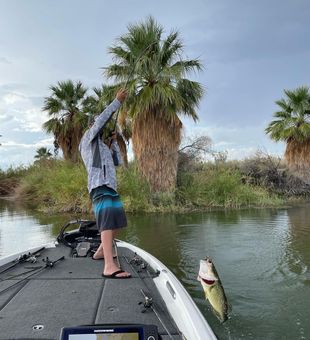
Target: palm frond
292, 121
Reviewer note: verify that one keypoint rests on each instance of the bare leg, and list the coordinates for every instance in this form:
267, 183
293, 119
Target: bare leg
109, 265
99, 254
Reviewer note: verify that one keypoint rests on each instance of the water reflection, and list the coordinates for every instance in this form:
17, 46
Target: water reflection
21, 228
156, 233
262, 256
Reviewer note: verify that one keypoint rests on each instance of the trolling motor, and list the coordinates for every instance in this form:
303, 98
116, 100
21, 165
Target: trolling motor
83, 240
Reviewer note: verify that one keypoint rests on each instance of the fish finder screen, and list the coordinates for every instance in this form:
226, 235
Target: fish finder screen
122, 336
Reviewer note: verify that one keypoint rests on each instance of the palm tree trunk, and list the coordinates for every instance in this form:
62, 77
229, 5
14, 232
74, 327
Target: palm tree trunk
123, 149
155, 145
297, 156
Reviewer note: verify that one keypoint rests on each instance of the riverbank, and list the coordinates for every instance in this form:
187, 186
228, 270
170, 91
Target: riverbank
58, 186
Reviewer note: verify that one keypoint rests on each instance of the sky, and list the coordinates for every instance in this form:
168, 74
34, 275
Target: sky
250, 50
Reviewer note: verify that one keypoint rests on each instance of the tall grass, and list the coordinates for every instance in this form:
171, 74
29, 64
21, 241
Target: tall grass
10, 179
134, 189
59, 186
56, 185
221, 186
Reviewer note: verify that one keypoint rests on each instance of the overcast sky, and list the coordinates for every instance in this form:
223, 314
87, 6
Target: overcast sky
251, 50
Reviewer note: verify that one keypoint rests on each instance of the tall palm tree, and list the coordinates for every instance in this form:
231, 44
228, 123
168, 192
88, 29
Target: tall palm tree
152, 69
43, 153
66, 106
292, 125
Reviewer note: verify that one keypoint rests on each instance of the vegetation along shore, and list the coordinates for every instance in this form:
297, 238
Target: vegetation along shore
60, 186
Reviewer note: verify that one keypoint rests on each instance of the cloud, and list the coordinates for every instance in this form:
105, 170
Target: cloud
238, 31
4, 60
239, 142
13, 98
12, 144
14, 154
5, 118
21, 122
24, 110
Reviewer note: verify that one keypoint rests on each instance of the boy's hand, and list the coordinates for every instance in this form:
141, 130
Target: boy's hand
121, 95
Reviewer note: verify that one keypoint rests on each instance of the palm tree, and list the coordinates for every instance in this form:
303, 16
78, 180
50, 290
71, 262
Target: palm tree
43, 153
151, 68
292, 125
66, 107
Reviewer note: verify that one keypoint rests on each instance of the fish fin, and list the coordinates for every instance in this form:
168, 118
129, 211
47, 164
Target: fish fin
219, 316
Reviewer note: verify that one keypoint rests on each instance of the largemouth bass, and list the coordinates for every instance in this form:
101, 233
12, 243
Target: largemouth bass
213, 289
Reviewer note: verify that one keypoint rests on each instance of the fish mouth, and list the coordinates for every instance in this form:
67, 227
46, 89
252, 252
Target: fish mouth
208, 282
207, 272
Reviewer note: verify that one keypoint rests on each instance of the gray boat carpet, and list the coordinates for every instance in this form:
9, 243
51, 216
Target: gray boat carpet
72, 292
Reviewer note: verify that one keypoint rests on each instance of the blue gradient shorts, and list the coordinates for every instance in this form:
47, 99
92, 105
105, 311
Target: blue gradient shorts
108, 209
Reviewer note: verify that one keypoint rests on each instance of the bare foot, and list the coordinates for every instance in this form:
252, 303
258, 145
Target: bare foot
98, 254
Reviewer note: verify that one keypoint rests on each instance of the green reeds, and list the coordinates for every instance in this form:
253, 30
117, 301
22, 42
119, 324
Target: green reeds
61, 186
56, 186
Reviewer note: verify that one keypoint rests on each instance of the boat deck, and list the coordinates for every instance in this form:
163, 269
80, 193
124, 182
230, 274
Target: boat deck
73, 293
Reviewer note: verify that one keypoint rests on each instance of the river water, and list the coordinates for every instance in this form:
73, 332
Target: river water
262, 257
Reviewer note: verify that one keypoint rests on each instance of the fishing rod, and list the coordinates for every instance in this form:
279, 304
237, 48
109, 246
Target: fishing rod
30, 257
148, 300
148, 303
48, 264
22, 273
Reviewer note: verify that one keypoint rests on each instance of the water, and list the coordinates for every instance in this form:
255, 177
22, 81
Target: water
261, 255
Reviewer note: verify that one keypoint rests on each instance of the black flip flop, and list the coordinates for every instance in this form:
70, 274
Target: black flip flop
113, 275
102, 258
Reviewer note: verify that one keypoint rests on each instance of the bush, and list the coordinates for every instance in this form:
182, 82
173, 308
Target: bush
134, 189
268, 172
220, 186
10, 179
56, 185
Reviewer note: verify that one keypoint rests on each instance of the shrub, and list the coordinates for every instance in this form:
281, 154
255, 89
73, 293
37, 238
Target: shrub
134, 189
56, 185
220, 186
